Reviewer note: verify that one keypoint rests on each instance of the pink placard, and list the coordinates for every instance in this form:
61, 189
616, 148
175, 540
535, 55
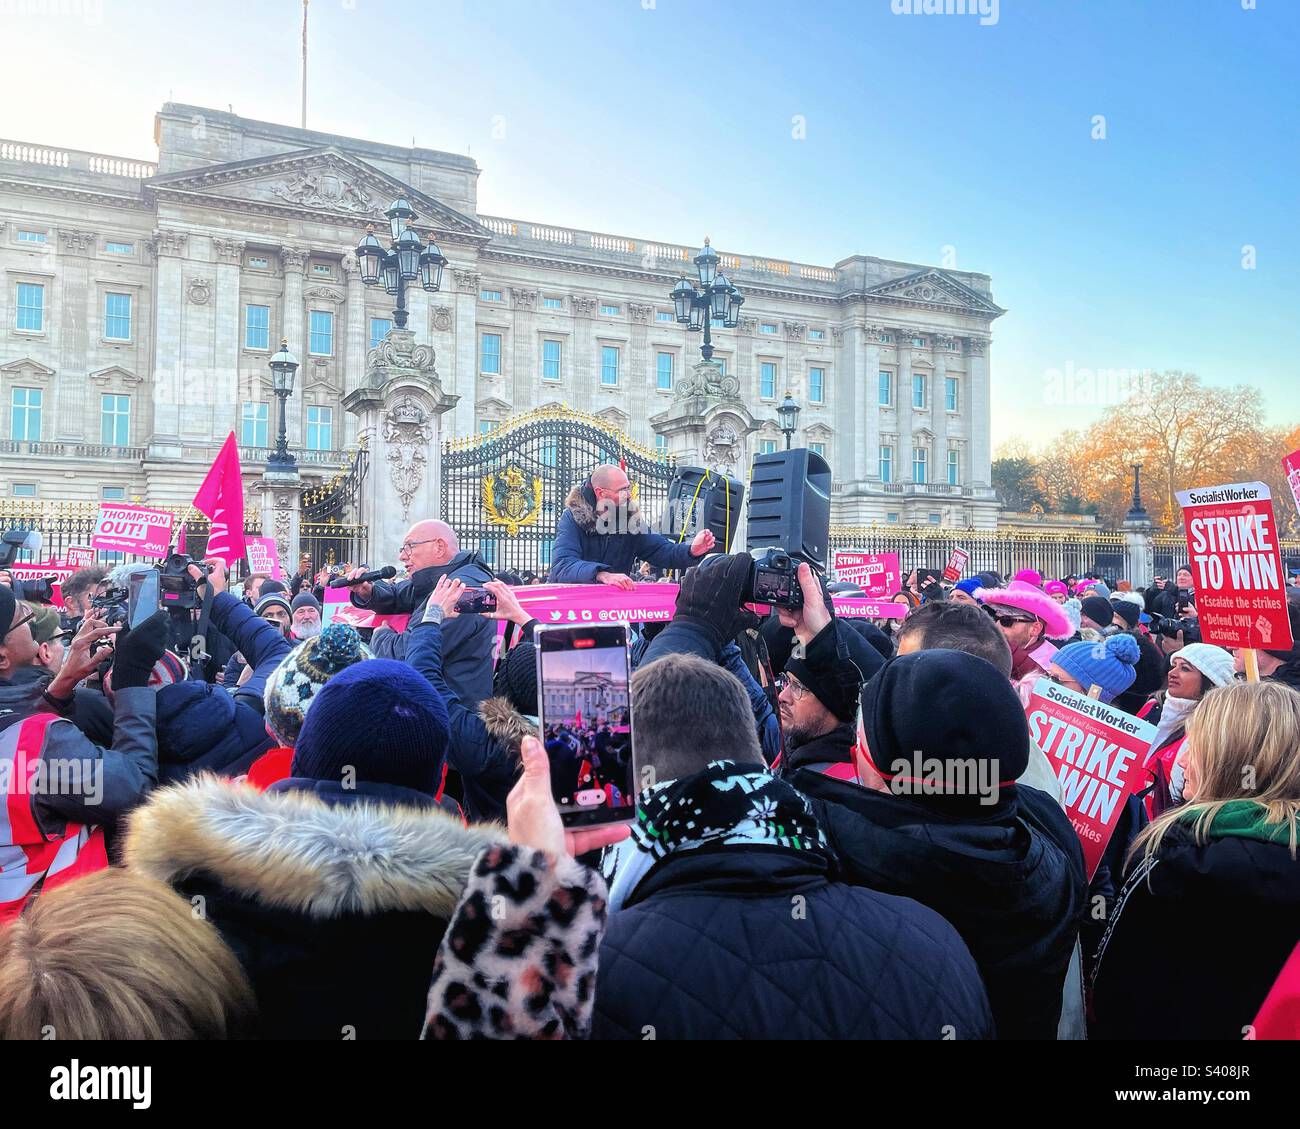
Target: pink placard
133, 529
78, 557
263, 557
877, 574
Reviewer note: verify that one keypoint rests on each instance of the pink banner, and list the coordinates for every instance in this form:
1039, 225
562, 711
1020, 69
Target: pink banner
591, 603
133, 529
262, 556
51, 569
877, 574
1291, 464
78, 557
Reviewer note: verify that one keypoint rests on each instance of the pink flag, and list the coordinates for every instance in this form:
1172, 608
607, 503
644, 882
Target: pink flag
221, 499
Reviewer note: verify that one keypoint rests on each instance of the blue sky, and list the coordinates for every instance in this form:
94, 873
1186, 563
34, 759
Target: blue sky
672, 120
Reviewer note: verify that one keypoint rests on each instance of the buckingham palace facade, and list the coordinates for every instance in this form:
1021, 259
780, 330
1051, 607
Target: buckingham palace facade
141, 303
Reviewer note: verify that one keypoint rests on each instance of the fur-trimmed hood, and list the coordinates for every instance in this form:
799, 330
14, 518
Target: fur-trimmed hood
292, 851
506, 725
584, 513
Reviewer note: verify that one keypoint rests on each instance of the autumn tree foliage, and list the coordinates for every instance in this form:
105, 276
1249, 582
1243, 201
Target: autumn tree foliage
1184, 434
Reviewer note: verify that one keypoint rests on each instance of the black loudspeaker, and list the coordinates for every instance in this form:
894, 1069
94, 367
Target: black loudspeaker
700, 499
790, 505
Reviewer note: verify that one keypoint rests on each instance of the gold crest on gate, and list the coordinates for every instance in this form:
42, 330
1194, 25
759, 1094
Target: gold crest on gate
508, 501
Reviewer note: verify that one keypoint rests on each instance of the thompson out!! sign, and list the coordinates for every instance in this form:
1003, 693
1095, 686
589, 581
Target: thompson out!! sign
133, 529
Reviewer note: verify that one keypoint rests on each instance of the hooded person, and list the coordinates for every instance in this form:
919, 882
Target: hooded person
333, 887
1028, 617
602, 534
938, 817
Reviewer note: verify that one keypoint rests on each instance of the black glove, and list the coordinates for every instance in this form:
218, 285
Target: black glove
710, 596
138, 649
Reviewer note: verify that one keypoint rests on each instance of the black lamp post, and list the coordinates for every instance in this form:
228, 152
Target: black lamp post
788, 415
1137, 512
406, 259
284, 366
716, 298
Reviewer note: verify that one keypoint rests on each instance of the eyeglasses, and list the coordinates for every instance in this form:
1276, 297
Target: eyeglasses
787, 683
18, 623
407, 546
1008, 620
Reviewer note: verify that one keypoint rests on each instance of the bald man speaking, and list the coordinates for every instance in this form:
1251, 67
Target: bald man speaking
429, 551
601, 535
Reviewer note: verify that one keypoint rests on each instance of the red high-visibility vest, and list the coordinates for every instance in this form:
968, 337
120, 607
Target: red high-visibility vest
30, 859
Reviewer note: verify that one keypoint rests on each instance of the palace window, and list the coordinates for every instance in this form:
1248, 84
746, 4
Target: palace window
664, 372
552, 355
950, 393
117, 317
25, 414
954, 468
886, 463
817, 385
320, 428
321, 338
115, 420
608, 365
767, 380
379, 329
552, 303
252, 425
31, 307
27, 236
886, 388
120, 248
919, 457
918, 390
489, 354
489, 295
257, 327
767, 447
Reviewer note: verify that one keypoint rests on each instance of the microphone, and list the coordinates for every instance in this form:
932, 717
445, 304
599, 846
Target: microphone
385, 573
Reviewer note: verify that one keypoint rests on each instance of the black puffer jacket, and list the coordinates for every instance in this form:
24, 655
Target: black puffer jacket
1197, 939
708, 947
1010, 879
333, 903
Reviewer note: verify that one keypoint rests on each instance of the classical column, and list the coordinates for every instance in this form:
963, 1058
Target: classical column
979, 411
464, 383
903, 408
943, 423
586, 370
168, 248
293, 260
641, 375
73, 412
356, 343
229, 256
525, 368
869, 440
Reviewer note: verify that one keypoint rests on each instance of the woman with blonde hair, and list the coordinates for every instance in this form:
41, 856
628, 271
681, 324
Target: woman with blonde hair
115, 955
1210, 910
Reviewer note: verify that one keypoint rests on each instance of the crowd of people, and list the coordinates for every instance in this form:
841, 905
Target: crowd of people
222, 848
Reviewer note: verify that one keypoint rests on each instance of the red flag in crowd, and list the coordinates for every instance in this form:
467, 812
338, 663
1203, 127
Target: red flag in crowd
221, 499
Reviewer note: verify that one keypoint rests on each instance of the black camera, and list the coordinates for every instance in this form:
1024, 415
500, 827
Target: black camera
177, 589
1170, 627
112, 606
774, 579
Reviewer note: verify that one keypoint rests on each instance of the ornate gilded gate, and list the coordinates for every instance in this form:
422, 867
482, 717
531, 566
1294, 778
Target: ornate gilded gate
332, 529
504, 492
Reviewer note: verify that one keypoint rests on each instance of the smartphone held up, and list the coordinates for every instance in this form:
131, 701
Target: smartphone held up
585, 702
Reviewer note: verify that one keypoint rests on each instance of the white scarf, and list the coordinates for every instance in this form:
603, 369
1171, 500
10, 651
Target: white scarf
1173, 713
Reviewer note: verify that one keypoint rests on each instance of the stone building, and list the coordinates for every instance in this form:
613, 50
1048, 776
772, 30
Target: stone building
141, 303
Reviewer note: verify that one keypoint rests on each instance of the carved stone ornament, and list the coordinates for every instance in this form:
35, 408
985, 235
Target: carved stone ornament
523, 299
707, 380
199, 291
323, 294
795, 330
748, 325
441, 318
467, 281
167, 243
399, 350
723, 449
230, 251
977, 345
940, 341
640, 314
584, 306
293, 259
407, 433
326, 190
77, 242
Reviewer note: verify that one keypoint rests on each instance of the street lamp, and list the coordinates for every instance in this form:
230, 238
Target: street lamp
406, 259
715, 299
284, 366
1137, 512
788, 415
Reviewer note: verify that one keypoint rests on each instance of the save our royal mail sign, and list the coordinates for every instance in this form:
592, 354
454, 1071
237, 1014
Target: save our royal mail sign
1236, 565
1097, 752
133, 529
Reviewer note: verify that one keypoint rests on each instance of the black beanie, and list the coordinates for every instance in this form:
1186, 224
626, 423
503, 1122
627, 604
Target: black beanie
835, 684
944, 706
1098, 609
521, 678
1130, 611
269, 586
